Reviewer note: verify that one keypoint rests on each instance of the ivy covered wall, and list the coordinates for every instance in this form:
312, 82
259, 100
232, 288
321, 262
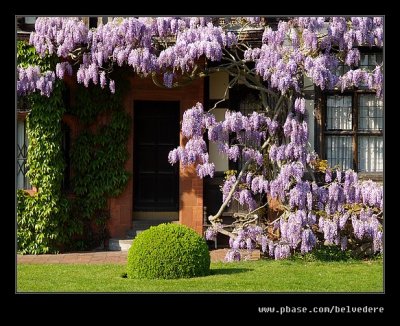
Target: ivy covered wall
50, 221
98, 156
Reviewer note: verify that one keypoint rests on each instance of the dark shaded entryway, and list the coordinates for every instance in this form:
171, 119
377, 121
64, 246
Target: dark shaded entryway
156, 132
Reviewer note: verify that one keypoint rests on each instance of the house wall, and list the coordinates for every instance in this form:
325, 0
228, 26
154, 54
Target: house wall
217, 88
310, 105
218, 83
190, 185
220, 161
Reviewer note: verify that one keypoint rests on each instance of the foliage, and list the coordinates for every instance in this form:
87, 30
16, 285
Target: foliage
47, 222
34, 72
92, 101
42, 219
168, 251
320, 165
325, 253
43, 224
27, 56
98, 158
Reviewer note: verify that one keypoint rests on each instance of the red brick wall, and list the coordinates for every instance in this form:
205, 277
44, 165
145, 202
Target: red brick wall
190, 186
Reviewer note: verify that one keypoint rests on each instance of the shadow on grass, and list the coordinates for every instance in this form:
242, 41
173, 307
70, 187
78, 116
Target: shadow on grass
219, 271
227, 271
325, 253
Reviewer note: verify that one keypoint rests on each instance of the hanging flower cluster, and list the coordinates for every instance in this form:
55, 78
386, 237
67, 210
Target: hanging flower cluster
174, 44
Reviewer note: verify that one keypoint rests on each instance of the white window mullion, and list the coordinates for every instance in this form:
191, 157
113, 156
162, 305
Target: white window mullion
22, 151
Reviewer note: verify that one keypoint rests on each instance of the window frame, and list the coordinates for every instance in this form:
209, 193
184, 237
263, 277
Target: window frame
21, 117
65, 147
321, 122
354, 133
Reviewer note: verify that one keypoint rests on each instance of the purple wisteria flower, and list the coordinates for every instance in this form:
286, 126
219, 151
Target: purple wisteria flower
308, 241
130, 41
232, 255
299, 105
31, 79
212, 231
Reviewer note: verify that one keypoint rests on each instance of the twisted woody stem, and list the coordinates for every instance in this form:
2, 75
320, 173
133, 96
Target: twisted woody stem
214, 218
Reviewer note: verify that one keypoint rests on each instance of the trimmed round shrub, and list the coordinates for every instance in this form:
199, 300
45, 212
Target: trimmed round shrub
168, 251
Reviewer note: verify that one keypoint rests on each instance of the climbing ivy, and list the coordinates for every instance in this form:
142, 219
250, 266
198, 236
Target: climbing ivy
27, 55
42, 219
47, 221
98, 158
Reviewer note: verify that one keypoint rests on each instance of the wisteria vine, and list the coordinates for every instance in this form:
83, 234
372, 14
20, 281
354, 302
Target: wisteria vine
341, 202
272, 144
172, 46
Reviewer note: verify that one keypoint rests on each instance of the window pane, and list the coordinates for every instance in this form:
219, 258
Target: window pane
370, 153
249, 104
22, 152
363, 60
339, 113
339, 151
341, 69
30, 20
368, 61
370, 116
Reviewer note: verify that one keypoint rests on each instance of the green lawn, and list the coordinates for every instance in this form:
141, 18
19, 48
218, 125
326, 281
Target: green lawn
250, 276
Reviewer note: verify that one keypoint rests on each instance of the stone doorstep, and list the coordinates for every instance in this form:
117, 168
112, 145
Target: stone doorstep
116, 244
119, 244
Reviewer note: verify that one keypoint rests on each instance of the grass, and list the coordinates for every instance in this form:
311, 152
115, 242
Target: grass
246, 276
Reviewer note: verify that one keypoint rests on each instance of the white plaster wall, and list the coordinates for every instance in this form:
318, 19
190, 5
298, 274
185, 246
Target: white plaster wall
220, 161
217, 87
218, 83
308, 85
310, 121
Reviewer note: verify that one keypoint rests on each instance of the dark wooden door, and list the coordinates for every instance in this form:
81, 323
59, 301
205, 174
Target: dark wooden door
156, 132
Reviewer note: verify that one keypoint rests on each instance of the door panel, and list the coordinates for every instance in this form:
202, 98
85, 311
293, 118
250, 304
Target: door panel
166, 186
146, 190
145, 159
156, 132
162, 159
